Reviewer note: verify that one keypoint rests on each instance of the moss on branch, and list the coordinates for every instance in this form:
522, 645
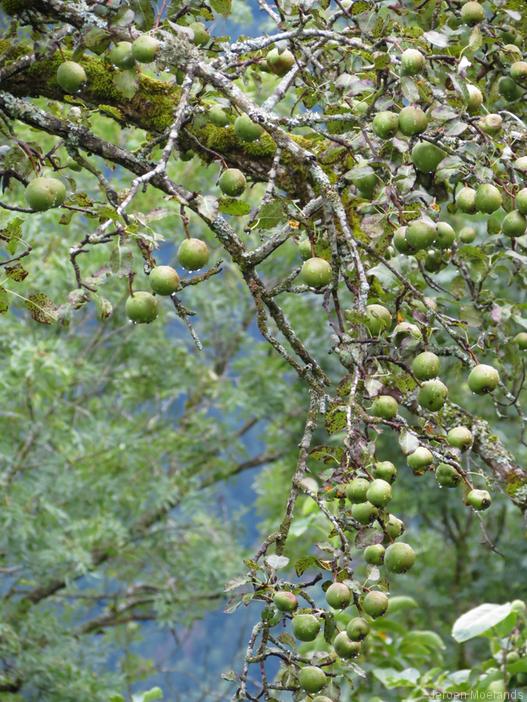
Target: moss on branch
152, 109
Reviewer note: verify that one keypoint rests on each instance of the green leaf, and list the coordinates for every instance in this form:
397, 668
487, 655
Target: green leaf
271, 214
144, 14
156, 693
330, 627
12, 234
304, 563
121, 258
224, 7
391, 678
359, 7
518, 666
232, 206
16, 272
428, 639
41, 308
479, 620
4, 300
126, 83
401, 603
436, 38
277, 562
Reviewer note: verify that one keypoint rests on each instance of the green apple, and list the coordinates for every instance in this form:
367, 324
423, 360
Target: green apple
316, 272
141, 307
44, 193
193, 254
164, 280
71, 76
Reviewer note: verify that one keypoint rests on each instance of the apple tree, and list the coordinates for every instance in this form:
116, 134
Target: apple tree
366, 201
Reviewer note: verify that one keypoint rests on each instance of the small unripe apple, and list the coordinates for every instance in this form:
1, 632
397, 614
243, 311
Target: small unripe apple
472, 13
374, 554
400, 241
483, 378
201, 35
338, 595
246, 129
44, 193
519, 71
378, 319
426, 366
479, 499
385, 124
412, 121
460, 438
475, 98
71, 76
364, 512
420, 459
379, 493
521, 201
520, 164
232, 182
280, 62
399, 558
394, 526
432, 395
145, 48
385, 470
447, 476
357, 629
218, 117
420, 234
488, 198
285, 601
312, 678
466, 200
356, 490
445, 235
514, 224
412, 62
384, 406
467, 235
316, 272
121, 55
193, 254
141, 307
426, 157
491, 124
306, 627
521, 340
345, 647
164, 280
375, 603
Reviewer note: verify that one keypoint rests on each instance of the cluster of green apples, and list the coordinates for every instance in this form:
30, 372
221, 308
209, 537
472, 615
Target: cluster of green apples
369, 498
142, 307
432, 394
71, 75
